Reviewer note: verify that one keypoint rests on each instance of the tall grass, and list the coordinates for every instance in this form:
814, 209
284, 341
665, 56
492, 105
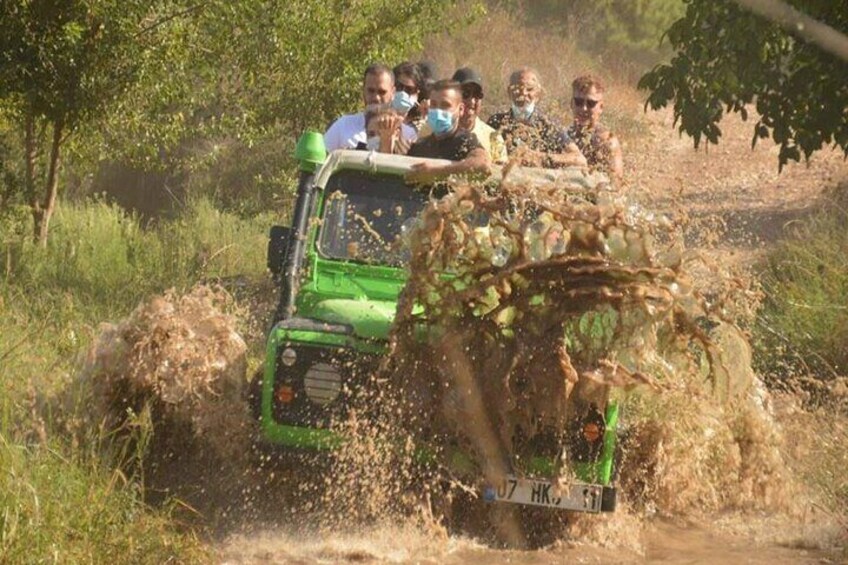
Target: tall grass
56, 510
63, 500
804, 321
102, 256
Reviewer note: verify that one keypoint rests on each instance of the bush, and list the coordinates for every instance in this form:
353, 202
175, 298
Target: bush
804, 321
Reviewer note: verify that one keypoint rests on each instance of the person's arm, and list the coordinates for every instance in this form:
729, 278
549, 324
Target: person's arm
476, 163
388, 128
332, 137
498, 148
570, 157
616, 160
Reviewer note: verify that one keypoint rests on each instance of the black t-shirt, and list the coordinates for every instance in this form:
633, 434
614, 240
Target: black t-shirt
454, 147
540, 133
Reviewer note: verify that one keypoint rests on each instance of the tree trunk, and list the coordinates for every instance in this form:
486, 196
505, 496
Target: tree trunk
30, 155
48, 205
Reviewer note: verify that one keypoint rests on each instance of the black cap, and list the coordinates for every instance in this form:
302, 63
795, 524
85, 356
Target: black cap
427, 69
467, 75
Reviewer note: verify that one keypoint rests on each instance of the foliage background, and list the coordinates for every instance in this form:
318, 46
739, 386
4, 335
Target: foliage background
728, 59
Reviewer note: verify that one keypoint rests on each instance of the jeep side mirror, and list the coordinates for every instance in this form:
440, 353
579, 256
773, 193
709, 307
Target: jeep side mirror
278, 242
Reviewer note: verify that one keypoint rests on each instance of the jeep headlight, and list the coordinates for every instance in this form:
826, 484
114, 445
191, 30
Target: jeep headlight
323, 383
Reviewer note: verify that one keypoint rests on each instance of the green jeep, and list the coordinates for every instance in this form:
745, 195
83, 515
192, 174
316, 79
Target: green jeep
339, 293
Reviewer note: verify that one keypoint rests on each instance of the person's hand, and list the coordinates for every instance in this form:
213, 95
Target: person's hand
388, 124
423, 173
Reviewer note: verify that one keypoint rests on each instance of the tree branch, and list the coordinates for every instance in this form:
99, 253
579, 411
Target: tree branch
170, 17
800, 24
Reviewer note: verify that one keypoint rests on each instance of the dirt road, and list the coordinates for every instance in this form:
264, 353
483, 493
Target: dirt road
729, 185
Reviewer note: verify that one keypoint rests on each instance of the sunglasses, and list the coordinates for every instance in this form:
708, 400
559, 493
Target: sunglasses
471, 92
408, 88
585, 102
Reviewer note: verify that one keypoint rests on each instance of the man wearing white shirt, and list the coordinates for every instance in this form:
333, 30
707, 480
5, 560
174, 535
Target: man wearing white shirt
378, 88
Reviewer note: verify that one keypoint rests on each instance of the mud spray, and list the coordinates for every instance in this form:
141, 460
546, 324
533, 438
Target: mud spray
556, 300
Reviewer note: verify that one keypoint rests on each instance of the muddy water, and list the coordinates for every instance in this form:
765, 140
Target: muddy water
707, 472
659, 541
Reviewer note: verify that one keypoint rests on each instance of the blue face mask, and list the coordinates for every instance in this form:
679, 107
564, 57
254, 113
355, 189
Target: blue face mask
523, 112
440, 121
404, 102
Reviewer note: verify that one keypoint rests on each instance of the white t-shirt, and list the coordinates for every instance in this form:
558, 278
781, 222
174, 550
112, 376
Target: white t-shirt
349, 131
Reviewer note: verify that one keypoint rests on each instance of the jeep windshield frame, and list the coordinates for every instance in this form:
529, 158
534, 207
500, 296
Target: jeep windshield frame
365, 216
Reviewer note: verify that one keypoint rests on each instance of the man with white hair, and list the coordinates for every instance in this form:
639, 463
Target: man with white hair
531, 136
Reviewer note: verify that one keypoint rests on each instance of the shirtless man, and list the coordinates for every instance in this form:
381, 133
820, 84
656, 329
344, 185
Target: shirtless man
600, 146
530, 135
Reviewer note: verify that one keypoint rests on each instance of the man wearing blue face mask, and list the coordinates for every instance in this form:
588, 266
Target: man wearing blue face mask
448, 140
530, 136
408, 84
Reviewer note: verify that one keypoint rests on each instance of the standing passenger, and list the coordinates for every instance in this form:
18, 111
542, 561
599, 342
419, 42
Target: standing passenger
407, 88
530, 135
378, 88
418, 116
448, 140
600, 146
470, 120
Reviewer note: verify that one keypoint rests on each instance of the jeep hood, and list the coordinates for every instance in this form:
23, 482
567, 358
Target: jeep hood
370, 319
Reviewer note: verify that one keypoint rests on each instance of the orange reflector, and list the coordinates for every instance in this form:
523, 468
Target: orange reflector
591, 431
285, 394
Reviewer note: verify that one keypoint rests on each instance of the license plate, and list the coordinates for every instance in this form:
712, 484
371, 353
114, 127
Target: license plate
534, 492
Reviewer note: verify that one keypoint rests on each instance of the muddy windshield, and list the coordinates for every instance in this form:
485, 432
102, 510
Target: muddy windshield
366, 216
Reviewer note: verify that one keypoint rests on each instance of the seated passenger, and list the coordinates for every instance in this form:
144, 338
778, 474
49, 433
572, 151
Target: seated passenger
472, 98
530, 135
448, 140
348, 131
383, 129
600, 146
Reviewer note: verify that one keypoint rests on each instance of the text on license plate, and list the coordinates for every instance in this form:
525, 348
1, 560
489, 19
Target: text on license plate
535, 492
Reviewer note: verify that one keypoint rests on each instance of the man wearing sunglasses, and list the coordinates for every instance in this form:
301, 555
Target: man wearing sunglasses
407, 91
600, 146
378, 89
530, 136
472, 96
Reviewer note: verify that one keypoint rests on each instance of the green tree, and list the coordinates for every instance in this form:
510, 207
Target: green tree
225, 103
182, 87
248, 67
728, 58
62, 64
